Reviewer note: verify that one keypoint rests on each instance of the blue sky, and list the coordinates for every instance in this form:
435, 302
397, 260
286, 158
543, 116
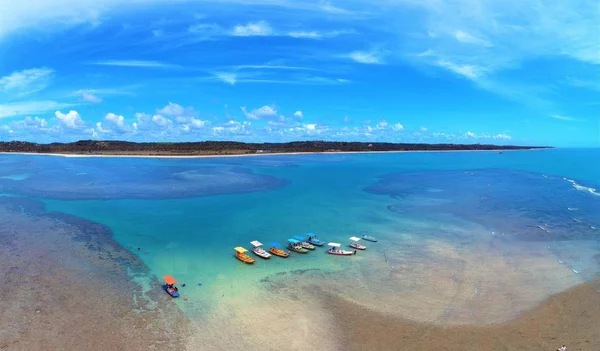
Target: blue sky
462, 71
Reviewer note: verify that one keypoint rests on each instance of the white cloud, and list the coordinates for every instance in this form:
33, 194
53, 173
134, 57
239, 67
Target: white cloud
313, 34
27, 81
118, 121
469, 71
382, 125
135, 63
157, 33
71, 120
261, 112
37, 122
346, 119
161, 121
491, 36
298, 114
30, 107
423, 129
229, 78
563, 118
260, 28
397, 127
89, 97
172, 109
101, 129
365, 57
467, 38
310, 127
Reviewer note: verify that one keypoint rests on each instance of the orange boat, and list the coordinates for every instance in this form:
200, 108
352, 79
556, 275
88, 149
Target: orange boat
240, 254
278, 251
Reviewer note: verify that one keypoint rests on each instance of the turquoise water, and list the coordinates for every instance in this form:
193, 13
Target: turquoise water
458, 231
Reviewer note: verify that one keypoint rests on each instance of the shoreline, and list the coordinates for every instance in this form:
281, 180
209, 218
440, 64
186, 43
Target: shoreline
75, 155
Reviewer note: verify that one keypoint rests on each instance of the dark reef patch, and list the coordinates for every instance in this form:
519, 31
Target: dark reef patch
124, 178
523, 205
70, 288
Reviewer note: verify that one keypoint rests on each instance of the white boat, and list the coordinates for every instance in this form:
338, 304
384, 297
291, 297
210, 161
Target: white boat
335, 250
355, 243
258, 250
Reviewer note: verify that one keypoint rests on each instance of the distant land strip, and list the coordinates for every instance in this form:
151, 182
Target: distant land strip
215, 148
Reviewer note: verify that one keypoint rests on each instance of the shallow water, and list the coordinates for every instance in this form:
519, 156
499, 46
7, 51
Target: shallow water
464, 237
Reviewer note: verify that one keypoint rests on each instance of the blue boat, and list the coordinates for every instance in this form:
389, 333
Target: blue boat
170, 287
304, 242
312, 238
369, 238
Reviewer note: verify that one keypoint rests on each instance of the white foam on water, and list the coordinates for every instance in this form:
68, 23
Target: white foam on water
580, 187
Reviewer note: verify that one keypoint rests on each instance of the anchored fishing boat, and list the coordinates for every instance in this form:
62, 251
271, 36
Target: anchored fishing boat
305, 244
277, 250
312, 238
355, 243
240, 254
335, 250
369, 238
296, 245
258, 250
169, 286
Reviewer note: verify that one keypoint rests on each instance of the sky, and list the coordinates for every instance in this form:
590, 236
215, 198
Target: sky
431, 71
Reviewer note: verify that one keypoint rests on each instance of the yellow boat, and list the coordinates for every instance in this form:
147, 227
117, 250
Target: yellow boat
240, 254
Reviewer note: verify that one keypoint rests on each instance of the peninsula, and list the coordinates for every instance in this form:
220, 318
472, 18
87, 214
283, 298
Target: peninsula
217, 148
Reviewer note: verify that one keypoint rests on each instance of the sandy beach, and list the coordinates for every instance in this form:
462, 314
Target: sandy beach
257, 154
570, 318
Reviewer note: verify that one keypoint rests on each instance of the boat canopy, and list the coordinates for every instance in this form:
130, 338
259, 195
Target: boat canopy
275, 244
300, 237
335, 244
169, 280
294, 241
353, 238
311, 235
256, 243
240, 249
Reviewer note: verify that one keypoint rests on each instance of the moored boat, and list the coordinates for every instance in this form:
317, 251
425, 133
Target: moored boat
335, 250
296, 245
369, 238
240, 254
305, 244
258, 250
355, 243
278, 251
169, 286
313, 239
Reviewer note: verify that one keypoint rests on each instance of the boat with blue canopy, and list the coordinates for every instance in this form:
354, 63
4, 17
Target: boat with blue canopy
305, 244
277, 250
369, 238
313, 239
296, 245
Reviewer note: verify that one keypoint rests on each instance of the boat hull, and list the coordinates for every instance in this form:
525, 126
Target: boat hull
342, 253
302, 250
278, 252
172, 293
316, 243
245, 258
369, 238
358, 246
262, 254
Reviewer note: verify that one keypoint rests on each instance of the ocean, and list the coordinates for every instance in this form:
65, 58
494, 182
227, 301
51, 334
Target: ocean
464, 237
